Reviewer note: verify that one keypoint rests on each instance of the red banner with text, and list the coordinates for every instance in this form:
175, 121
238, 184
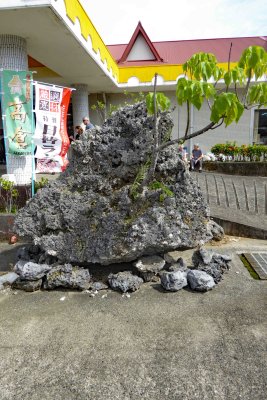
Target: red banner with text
51, 136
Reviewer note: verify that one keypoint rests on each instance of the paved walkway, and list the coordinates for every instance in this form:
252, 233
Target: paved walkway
154, 345
241, 199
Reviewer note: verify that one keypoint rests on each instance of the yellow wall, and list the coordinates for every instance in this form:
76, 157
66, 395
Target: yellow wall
146, 73
122, 74
76, 11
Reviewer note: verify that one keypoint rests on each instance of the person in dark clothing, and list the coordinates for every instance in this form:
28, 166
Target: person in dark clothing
78, 132
196, 159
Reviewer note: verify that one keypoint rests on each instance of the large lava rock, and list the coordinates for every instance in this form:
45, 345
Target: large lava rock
90, 213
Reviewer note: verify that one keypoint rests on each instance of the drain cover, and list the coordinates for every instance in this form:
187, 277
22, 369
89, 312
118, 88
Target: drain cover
258, 261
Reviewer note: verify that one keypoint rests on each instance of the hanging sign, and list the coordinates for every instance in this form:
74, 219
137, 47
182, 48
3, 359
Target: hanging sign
17, 106
51, 137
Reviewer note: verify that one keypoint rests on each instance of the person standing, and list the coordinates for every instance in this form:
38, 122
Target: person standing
196, 159
86, 124
182, 152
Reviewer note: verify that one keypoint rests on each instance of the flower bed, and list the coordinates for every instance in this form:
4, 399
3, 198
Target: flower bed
230, 151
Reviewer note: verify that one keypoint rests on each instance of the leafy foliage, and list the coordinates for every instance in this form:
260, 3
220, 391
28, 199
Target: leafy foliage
156, 185
162, 102
40, 184
253, 61
141, 174
8, 195
258, 94
235, 75
227, 106
203, 66
194, 92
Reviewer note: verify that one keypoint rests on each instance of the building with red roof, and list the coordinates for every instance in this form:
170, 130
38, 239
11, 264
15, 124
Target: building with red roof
58, 40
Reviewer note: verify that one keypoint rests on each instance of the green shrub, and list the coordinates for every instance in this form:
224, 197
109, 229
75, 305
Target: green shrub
40, 184
8, 196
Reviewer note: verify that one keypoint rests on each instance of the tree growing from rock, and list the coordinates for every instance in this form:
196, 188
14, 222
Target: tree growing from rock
202, 81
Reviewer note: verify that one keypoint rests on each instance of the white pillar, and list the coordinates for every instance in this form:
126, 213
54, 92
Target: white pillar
80, 103
13, 56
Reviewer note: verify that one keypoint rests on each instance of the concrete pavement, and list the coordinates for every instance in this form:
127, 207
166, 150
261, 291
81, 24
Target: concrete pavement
155, 345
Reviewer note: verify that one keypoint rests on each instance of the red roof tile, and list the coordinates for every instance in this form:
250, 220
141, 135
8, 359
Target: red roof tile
177, 52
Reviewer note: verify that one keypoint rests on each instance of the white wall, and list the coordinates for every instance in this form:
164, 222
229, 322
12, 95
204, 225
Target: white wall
140, 50
235, 132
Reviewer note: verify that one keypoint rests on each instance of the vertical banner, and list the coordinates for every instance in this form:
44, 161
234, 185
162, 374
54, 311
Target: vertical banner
17, 106
51, 137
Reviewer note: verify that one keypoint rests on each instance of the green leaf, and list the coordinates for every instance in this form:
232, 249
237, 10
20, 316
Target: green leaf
257, 94
228, 78
181, 91
253, 61
201, 66
227, 106
150, 102
240, 110
162, 102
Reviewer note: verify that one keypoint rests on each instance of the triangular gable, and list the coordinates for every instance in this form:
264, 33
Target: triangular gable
138, 40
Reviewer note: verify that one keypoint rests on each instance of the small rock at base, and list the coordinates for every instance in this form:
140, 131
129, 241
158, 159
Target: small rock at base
27, 286
67, 276
173, 280
200, 280
149, 266
31, 271
124, 281
7, 279
98, 286
212, 263
180, 265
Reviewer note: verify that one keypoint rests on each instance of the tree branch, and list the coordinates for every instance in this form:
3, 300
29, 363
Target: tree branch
229, 60
192, 135
155, 153
246, 89
217, 126
188, 119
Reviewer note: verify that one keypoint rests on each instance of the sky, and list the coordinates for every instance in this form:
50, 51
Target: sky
116, 20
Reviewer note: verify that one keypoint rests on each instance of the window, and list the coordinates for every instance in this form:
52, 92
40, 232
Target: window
260, 127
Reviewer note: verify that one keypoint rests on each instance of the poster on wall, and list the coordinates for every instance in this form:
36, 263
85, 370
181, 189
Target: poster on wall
51, 137
17, 106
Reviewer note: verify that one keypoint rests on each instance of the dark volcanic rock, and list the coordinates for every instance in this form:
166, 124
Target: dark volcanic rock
179, 265
216, 230
67, 276
173, 280
27, 286
125, 281
30, 271
149, 266
90, 213
29, 253
200, 281
213, 263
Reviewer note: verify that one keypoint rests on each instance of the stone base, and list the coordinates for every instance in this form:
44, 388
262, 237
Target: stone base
237, 168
